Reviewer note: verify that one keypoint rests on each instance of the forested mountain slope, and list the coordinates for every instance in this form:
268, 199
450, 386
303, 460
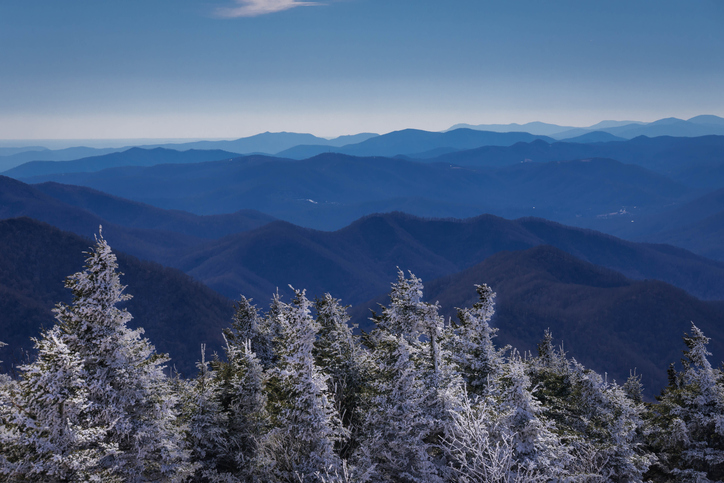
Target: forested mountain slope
142, 230
139, 215
357, 262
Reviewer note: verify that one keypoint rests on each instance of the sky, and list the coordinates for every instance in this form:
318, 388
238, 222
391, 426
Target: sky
84, 69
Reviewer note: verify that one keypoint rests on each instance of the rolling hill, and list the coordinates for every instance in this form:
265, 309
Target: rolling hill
133, 214
358, 262
141, 230
67, 154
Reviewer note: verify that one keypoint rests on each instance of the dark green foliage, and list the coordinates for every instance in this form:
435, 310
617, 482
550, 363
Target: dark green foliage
346, 362
686, 431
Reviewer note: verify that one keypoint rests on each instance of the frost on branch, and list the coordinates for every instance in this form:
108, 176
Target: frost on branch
96, 400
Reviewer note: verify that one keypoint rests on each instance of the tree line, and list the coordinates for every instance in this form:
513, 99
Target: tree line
297, 396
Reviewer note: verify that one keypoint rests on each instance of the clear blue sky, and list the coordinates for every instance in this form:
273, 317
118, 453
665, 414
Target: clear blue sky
226, 68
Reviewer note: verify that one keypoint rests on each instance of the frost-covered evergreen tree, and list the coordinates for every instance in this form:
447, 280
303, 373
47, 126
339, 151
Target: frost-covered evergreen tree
247, 325
413, 390
689, 420
244, 401
228, 418
340, 355
97, 389
306, 424
601, 425
53, 434
208, 435
471, 343
482, 447
537, 447
8, 419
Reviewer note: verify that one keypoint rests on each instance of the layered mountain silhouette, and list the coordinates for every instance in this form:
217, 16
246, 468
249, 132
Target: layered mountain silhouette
177, 313
672, 156
261, 258
604, 320
358, 262
330, 191
144, 231
696, 126
270, 142
8, 161
415, 141
129, 157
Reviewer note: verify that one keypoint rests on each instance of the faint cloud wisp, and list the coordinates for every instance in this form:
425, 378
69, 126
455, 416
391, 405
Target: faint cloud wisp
254, 8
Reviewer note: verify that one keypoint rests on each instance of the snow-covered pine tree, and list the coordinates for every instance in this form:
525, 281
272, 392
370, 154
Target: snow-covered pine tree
246, 325
481, 446
688, 434
113, 379
306, 424
8, 415
413, 390
538, 450
471, 343
339, 353
49, 432
208, 436
244, 401
600, 424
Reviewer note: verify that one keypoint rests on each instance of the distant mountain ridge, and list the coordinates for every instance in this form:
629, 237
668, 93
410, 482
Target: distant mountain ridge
141, 230
526, 179
267, 143
302, 145
68, 154
702, 125
672, 156
177, 238
411, 141
129, 157
332, 190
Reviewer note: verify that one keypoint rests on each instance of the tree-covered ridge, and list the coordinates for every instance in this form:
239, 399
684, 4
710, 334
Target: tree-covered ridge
299, 397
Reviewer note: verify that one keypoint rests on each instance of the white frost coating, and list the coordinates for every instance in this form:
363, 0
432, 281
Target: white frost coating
96, 400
